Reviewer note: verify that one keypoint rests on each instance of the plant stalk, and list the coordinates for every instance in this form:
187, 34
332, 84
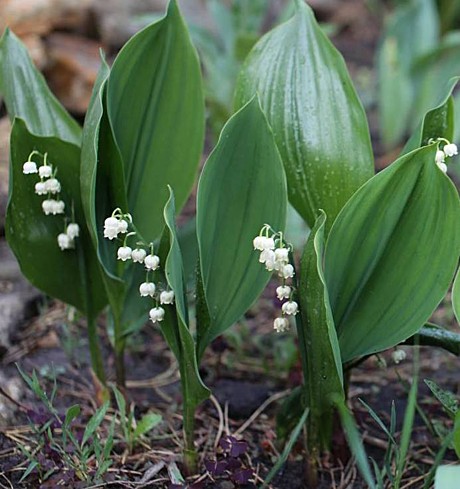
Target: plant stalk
190, 453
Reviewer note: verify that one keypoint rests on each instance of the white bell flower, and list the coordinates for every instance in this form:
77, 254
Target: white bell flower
167, 297
53, 186
258, 243
152, 262
40, 188
48, 206
442, 167
29, 167
147, 289
267, 255
398, 356
282, 255
291, 308
281, 325
287, 271
269, 244
157, 314
73, 230
45, 171
124, 253
450, 149
138, 255
440, 157
111, 228
283, 292
58, 207
65, 242
122, 226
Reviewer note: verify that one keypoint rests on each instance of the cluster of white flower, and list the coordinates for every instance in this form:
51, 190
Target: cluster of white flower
448, 150
50, 186
274, 254
119, 223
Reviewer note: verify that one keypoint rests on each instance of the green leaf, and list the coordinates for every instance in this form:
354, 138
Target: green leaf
175, 328
355, 442
71, 414
412, 30
232, 206
456, 438
147, 423
94, 423
156, 109
318, 344
437, 122
318, 121
446, 477
102, 186
287, 449
33, 236
28, 97
384, 271
446, 398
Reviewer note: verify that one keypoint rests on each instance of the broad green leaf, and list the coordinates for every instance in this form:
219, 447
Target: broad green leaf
437, 122
102, 186
176, 328
319, 124
71, 414
156, 109
433, 70
318, 344
412, 30
72, 275
27, 95
147, 423
384, 270
241, 188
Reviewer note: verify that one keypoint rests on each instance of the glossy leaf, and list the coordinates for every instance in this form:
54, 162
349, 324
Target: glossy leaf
412, 30
241, 188
27, 95
318, 343
437, 122
156, 109
176, 328
434, 335
102, 186
319, 124
73, 275
384, 271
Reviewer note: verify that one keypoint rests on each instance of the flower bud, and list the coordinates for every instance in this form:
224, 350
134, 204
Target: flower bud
53, 186
398, 356
167, 297
111, 228
283, 292
157, 314
64, 241
287, 271
29, 167
450, 149
147, 289
73, 230
45, 171
152, 262
139, 255
40, 188
280, 325
124, 253
442, 167
291, 308
440, 156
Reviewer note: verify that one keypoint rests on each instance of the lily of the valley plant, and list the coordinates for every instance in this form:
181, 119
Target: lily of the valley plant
91, 212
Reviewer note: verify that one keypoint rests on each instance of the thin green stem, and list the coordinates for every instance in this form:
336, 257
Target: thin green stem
190, 453
120, 344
